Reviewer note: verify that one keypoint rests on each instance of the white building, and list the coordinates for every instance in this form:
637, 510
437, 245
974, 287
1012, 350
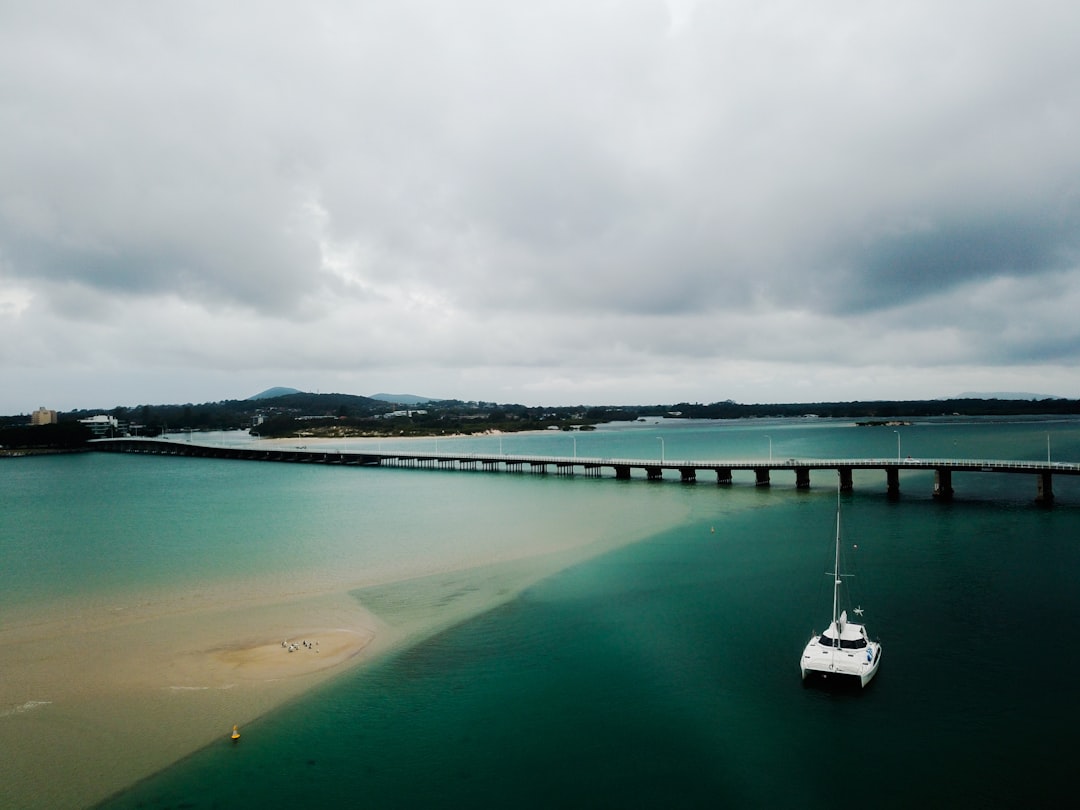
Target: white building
102, 424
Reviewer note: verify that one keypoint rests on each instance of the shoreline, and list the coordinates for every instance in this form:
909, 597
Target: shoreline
196, 673
76, 739
378, 439
22, 452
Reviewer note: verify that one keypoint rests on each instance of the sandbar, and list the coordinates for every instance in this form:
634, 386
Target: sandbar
90, 706
310, 651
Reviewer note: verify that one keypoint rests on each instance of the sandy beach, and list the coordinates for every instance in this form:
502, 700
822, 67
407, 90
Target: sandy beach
89, 707
261, 660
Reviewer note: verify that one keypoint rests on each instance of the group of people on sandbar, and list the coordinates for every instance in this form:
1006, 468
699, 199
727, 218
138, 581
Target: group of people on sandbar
293, 647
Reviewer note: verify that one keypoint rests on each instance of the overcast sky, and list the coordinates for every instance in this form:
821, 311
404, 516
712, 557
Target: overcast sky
587, 201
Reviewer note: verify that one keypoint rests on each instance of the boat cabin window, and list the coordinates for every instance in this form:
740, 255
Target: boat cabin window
845, 644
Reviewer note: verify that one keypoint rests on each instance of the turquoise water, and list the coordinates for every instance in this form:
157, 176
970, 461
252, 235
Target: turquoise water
663, 673
111, 528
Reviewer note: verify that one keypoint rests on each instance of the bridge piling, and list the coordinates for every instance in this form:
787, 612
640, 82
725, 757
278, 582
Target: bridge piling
1045, 494
846, 484
892, 479
943, 490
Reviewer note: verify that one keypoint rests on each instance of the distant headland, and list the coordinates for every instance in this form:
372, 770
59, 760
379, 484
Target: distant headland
282, 412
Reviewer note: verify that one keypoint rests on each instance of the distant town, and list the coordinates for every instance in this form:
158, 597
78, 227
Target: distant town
282, 412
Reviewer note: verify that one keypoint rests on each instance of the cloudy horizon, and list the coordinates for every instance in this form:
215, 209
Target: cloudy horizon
594, 202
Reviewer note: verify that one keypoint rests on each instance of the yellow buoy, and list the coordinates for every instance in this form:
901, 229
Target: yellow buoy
235, 734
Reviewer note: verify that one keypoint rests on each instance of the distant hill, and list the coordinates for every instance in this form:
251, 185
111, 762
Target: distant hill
279, 391
311, 404
402, 399
1004, 395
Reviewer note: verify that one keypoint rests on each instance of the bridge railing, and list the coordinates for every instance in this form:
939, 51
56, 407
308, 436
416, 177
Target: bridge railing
971, 464
955, 464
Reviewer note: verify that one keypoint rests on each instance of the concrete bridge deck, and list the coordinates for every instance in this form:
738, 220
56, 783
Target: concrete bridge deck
653, 469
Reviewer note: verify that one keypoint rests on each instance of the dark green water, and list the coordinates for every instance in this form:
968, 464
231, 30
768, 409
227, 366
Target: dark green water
666, 673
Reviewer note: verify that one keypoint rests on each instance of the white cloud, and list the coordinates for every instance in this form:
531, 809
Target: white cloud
598, 201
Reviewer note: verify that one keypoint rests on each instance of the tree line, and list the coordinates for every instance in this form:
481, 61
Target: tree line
351, 415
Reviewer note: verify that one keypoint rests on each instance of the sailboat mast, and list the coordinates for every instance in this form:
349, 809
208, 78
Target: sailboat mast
836, 569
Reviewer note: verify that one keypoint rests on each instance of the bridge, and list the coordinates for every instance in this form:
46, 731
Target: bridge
621, 468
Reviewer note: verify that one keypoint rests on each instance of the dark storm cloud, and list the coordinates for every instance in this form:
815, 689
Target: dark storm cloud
913, 265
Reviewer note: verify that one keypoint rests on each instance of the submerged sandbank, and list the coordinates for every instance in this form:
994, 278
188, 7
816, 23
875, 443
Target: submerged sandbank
114, 685
90, 705
85, 712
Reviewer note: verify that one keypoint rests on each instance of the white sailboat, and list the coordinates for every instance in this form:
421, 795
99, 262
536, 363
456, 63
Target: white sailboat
844, 652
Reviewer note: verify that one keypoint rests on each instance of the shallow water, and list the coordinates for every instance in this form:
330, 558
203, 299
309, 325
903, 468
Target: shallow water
665, 671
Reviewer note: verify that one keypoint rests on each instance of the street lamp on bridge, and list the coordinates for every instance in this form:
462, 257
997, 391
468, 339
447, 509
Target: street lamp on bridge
661, 440
897, 432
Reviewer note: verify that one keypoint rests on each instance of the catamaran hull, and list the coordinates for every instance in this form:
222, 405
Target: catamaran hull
824, 665
837, 680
